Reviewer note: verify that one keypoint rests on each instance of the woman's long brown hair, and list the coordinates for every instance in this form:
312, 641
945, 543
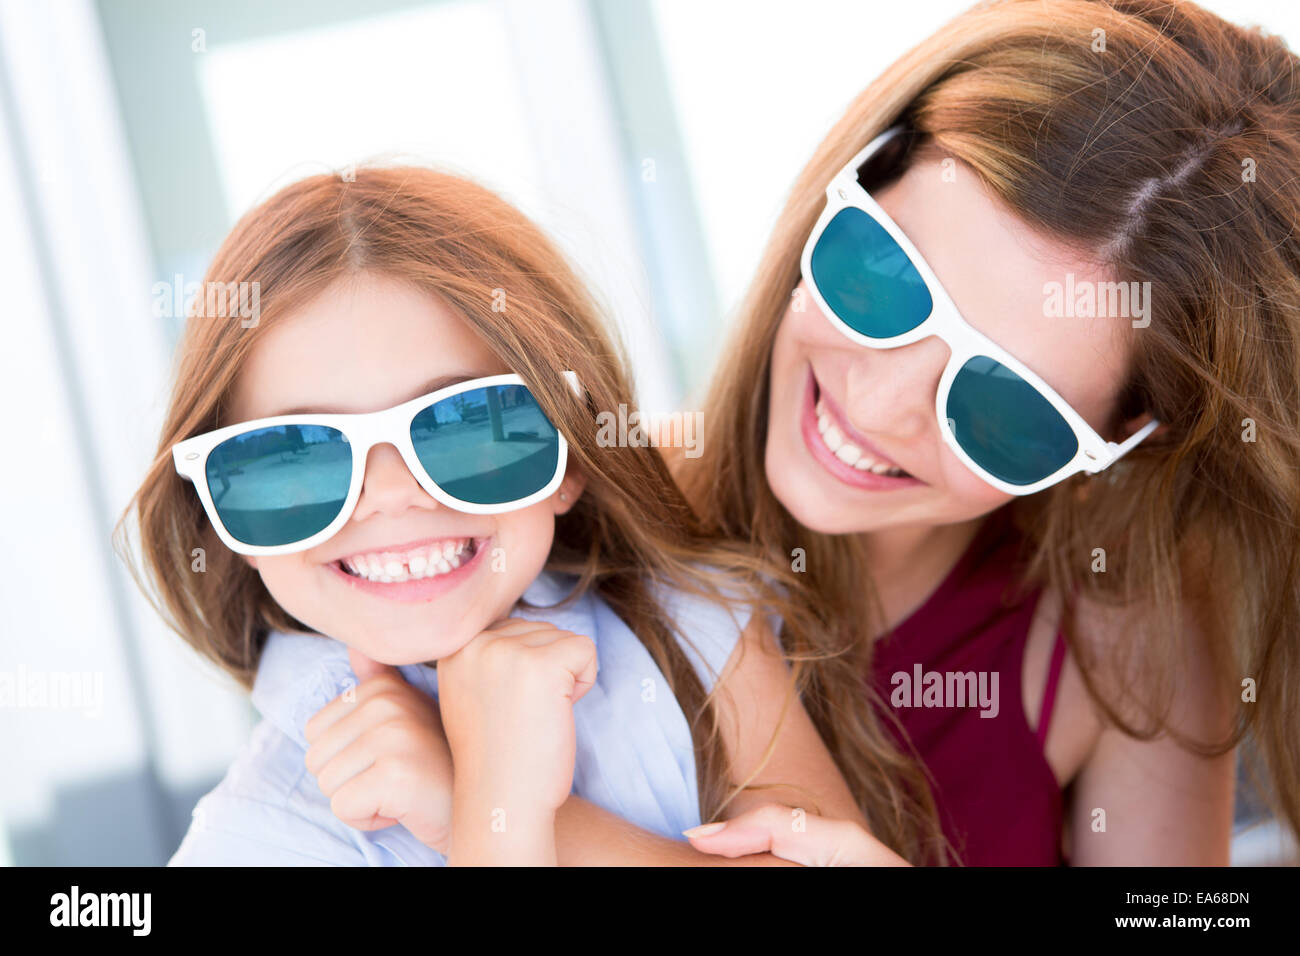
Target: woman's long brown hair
630, 533
1164, 143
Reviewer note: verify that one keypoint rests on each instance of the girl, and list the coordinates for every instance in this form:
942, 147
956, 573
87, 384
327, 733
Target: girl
943, 438
396, 465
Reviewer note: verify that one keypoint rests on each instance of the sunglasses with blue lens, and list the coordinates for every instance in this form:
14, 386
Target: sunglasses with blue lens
1005, 423
285, 484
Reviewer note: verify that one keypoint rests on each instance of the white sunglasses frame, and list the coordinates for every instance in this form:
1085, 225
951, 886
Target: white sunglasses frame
363, 431
1094, 453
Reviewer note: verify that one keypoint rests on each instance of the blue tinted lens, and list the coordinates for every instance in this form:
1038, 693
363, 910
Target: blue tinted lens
867, 279
1006, 425
280, 485
487, 446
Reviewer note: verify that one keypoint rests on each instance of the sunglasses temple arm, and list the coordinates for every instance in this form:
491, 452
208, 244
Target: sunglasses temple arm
1120, 450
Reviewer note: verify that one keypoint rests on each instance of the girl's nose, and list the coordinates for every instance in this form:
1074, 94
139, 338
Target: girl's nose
388, 486
890, 392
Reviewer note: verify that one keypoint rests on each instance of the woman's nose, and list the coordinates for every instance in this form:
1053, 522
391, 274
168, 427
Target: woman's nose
891, 391
388, 486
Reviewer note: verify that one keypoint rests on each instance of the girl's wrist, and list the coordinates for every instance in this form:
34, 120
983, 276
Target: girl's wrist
491, 827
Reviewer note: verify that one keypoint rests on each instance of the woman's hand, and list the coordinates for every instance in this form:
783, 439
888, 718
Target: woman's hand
379, 753
507, 705
794, 835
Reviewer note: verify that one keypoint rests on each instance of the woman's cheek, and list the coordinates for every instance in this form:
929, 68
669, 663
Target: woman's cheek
969, 495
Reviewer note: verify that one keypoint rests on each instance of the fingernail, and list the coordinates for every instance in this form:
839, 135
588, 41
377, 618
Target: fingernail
706, 829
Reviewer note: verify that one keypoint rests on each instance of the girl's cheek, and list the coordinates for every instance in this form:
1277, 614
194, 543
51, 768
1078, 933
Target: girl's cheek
518, 551
293, 583
528, 543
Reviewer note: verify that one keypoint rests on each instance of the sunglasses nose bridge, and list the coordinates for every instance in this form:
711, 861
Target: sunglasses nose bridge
369, 432
924, 358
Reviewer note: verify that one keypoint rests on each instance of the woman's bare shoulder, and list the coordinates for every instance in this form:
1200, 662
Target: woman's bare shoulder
1150, 662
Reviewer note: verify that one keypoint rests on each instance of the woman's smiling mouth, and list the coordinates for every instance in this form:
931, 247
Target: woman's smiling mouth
842, 452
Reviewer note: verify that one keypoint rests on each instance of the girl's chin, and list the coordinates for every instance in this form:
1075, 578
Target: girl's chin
415, 648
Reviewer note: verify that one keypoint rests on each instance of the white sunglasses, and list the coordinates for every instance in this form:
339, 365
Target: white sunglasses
287, 483
1005, 423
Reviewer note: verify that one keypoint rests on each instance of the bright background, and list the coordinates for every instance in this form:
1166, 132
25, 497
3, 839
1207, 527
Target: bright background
134, 132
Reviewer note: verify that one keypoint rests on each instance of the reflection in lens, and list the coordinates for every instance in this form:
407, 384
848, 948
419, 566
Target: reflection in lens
866, 278
279, 485
487, 446
1006, 425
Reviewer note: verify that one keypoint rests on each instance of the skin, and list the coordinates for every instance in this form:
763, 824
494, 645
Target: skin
382, 757
364, 345
1164, 804
504, 715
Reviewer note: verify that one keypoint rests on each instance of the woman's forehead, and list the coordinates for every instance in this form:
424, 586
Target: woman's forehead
1010, 280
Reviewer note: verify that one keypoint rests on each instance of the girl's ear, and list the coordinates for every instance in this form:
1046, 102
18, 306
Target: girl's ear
252, 561
570, 490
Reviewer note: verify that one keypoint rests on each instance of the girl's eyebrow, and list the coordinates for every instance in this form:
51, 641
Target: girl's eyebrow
433, 385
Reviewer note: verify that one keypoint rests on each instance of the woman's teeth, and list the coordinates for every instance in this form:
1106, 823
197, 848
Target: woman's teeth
848, 452
392, 567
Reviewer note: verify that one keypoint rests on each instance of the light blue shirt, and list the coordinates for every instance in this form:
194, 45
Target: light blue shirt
635, 756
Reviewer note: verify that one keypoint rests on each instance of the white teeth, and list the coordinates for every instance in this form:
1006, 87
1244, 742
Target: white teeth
424, 562
846, 451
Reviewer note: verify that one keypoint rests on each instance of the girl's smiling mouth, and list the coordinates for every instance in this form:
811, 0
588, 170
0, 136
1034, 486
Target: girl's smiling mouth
418, 571
841, 451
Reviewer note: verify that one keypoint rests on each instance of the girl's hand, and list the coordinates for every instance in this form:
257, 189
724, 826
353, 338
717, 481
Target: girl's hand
507, 705
379, 753
793, 835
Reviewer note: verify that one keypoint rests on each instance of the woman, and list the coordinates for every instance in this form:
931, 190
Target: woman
955, 505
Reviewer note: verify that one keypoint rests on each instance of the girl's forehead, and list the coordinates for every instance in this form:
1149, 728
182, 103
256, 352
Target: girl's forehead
363, 344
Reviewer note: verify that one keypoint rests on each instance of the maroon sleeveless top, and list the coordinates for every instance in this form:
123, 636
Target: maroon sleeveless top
998, 799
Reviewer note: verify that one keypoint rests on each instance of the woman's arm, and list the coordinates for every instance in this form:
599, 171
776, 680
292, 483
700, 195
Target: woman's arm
588, 835
752, 691
1162, 803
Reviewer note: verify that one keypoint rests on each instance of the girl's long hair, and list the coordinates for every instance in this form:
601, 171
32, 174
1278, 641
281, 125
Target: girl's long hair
1164, 143
630, 533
